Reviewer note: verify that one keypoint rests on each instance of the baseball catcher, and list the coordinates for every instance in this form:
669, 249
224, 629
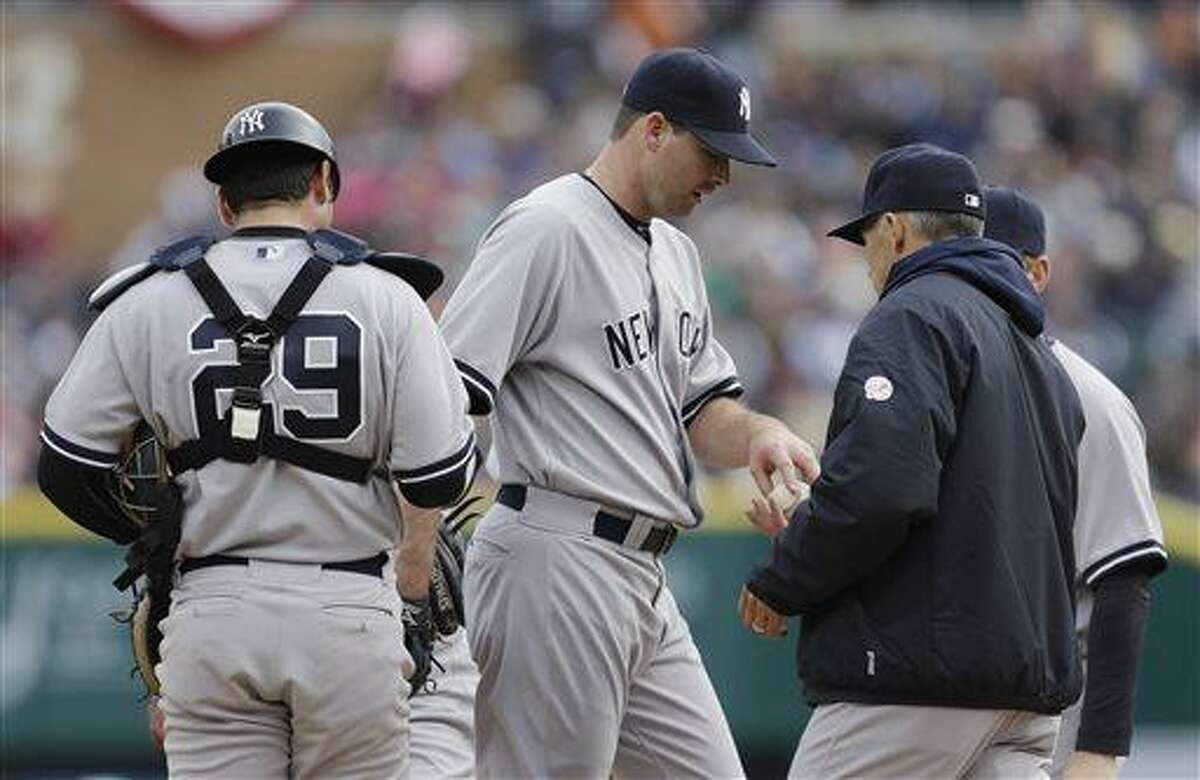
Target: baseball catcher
276, 499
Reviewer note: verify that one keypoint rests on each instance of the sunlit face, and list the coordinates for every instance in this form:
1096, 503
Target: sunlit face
681, 172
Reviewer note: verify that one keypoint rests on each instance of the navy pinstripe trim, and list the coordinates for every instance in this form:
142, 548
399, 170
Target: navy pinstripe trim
480, 389
729, 386
1144, 549
78, 452
439, 468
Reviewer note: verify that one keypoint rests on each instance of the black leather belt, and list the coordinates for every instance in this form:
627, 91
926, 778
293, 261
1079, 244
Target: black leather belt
606, 525
372, 566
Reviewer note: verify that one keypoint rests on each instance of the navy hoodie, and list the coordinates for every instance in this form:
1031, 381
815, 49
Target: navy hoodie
933, 563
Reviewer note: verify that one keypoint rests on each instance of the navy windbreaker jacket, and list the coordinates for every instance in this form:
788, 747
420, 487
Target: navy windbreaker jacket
933, 562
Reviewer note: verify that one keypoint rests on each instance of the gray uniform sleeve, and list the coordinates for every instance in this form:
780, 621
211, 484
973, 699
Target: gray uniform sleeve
93, 407
433, 456
713, 373
507, 302
1116, 521
1118, 547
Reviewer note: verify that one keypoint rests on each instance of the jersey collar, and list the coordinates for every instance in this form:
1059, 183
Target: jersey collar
636, 225
270, 231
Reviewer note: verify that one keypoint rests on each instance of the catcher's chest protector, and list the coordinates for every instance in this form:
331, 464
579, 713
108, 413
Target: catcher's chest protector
245, 432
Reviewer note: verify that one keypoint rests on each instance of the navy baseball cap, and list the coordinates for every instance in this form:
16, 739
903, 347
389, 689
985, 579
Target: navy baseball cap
696, 90
1015, 220
916, 177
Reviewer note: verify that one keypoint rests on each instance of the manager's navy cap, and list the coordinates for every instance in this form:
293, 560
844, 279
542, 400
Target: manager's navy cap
1015, 220
916, 177
696, 90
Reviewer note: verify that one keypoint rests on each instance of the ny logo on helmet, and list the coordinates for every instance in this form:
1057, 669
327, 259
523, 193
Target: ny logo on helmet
744, 104
251, 122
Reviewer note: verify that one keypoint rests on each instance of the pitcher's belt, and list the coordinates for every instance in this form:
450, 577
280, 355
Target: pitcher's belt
627, 529
372, 566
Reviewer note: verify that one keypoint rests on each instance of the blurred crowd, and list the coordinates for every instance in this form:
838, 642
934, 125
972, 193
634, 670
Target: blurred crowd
1090, 109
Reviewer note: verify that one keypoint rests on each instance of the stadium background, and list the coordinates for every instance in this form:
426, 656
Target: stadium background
442, 114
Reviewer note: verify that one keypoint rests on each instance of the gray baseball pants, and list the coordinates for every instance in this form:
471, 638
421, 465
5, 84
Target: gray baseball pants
283, 670
442, 721
897, 741
588, 669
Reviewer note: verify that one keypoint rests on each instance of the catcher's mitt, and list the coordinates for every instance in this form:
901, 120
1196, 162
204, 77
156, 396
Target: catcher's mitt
144, 490
442, 612
151, 604
418, 641
144, 638
445, 585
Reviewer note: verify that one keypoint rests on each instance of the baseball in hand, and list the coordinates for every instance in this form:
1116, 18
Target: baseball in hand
782, 496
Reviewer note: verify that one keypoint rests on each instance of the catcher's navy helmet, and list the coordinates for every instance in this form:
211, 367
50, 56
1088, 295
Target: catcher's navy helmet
257, 129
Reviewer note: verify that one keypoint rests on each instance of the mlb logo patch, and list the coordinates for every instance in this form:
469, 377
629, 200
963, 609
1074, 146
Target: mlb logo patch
267, 252
972, 200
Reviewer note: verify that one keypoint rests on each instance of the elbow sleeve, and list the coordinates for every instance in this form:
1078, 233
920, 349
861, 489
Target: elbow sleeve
1115, 640
82, 493
442, 483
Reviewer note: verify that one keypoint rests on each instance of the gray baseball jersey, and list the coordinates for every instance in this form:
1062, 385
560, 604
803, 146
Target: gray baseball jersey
262, 661
1115, 520
363, 371
594, 348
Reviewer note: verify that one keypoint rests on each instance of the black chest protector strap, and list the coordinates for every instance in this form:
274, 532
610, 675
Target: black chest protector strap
246, 433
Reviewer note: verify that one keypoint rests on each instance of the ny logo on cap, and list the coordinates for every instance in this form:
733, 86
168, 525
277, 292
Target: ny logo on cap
972, 200
744, 104
251, 122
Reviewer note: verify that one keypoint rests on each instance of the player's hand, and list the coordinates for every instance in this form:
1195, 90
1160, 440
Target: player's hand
772, 514
158, 731
778, 455
760, 618
1083, 765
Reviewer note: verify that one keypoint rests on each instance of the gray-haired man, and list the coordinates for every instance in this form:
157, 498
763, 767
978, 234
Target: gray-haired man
933, 560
